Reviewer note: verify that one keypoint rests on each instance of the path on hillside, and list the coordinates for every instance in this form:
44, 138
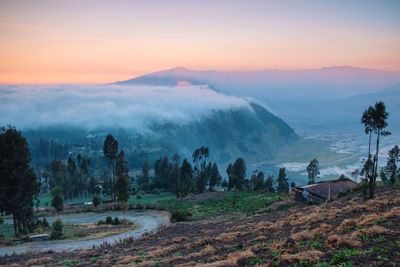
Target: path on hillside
146, 221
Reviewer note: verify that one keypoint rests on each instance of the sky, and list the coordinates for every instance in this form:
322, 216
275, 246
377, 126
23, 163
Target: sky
97, 41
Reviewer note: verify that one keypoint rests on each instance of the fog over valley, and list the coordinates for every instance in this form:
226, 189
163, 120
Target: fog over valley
109, 106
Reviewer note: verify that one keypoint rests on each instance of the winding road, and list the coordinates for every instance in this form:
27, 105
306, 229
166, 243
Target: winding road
146, 221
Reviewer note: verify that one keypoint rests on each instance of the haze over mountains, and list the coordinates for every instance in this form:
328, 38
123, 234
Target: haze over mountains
149, 121
298, 96
256, 115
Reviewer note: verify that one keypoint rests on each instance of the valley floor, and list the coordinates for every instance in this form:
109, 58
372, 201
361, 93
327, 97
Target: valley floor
346, 232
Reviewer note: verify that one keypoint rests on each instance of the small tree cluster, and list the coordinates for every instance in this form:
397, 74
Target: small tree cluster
181, 178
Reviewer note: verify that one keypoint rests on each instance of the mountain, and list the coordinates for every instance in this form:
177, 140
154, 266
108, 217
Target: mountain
148, 122
255, 134
267, 85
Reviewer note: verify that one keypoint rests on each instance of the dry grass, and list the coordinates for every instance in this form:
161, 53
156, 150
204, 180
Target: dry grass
303, 235
224, 237
393, 213
38, 261
310, 255
162, 250
200, 242
207, 250
337, 241
312, 233
232, 259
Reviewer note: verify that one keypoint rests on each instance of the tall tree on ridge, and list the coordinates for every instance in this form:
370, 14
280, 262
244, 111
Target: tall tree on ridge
379, 123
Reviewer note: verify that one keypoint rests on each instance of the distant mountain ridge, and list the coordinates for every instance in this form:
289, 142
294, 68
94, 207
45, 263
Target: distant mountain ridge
278, 84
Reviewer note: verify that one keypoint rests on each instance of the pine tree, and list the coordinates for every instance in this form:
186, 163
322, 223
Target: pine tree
18, 183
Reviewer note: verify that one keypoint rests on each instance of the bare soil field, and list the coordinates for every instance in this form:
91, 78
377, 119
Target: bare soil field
343, 232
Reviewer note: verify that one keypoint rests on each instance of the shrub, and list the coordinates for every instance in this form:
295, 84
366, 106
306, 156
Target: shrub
180, 214
109, 220
45, 223
116, 221
57, 231
155, 191
96, 200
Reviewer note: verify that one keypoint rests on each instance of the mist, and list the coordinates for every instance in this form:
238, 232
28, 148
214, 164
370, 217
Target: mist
109, 106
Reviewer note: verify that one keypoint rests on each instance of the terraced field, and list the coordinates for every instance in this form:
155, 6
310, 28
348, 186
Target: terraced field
344, 232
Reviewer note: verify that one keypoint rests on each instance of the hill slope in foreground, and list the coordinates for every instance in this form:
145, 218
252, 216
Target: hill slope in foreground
344, 232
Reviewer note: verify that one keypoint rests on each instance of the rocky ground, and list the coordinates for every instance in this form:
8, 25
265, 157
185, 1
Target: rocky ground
343, 232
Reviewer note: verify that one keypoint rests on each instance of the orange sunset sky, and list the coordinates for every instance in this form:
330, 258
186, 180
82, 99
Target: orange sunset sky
105, 41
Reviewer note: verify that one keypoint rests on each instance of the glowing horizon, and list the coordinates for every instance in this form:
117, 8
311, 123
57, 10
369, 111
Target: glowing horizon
102, 41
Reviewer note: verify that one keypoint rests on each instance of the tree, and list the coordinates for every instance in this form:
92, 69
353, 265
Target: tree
110, 150
391, 166
143, 180
161, 173
92, 185
282, 181
313, 171
57, 174
378, 123
57, 201
269, 184
18, 183
96, 200
215, 177
257, 180
185, 183
200, 156
57, 230
122, 183
70, 187
236, 173
292, 185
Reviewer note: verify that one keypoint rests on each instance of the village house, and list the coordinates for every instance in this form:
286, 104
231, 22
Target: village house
323, 190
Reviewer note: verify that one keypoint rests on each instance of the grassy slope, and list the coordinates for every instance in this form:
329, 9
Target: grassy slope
219, 203
347, 230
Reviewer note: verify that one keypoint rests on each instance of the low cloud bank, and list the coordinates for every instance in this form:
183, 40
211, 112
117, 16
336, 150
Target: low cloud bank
109, 106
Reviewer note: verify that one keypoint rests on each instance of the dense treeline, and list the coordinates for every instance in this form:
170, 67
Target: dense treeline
200, 175
72, 176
